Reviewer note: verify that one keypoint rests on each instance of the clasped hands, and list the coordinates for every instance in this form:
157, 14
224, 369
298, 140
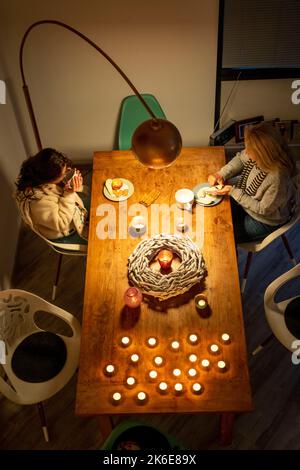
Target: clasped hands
217, 179
75, 185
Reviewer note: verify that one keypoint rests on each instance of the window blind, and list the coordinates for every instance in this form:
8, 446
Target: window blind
261, 34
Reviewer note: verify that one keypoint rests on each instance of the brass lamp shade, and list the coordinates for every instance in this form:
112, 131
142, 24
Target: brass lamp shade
156, 143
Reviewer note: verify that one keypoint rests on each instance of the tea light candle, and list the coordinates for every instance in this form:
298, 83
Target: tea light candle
152, 375
178, 387
222, 366
125, 341
176, 372
163, 387
225, 338
193, 338
133, 297
175, 345
116, 398
197, 388
158, 361
180, 225
193, 358
109, 370
134, 358
165, 258
192, 372
130, 382
151, 342
142, 397
138, 223
205, 364
214, 349
201, 303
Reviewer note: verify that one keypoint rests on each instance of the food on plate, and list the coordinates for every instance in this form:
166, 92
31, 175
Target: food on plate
116, 184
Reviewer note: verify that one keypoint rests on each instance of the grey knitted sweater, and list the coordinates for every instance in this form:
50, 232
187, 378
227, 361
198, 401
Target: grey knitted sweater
269, 197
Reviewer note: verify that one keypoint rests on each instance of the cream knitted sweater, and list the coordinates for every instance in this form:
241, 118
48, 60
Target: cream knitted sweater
269, 197
51, 211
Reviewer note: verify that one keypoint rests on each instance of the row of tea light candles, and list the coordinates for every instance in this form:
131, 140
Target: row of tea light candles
193, 339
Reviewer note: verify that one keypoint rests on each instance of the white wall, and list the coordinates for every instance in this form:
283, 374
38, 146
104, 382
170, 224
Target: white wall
271, 98
167, 47
11, 155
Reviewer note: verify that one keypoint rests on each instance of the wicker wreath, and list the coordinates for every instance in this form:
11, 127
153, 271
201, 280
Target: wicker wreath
163, 286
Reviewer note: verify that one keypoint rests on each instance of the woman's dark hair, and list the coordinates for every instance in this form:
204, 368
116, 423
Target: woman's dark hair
42, 168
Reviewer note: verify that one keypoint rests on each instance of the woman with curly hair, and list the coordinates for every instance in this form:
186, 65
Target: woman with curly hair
49, 203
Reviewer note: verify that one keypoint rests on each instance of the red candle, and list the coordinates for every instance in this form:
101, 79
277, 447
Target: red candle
133, 297
165, 258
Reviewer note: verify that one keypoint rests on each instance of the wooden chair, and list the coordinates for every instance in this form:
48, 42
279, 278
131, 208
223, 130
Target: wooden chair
38, 363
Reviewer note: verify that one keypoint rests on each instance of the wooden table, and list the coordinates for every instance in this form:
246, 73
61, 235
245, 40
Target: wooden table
106, 319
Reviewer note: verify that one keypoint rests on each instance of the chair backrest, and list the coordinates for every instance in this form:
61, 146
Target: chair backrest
133, 113
63, 248
256, 246
17, 310
275, 310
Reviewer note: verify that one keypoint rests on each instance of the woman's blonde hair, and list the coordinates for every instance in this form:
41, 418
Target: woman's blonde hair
269, 148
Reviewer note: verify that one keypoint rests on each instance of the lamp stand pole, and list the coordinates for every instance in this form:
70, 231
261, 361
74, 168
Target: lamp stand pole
95, 46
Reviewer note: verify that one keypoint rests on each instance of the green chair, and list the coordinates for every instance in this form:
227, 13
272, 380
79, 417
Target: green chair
147, 436
133, 113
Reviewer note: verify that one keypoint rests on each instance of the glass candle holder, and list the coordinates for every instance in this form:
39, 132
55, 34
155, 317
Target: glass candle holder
138, 224
165, 258
133, 297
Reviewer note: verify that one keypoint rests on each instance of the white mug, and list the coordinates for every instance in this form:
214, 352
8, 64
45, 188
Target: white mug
184, 198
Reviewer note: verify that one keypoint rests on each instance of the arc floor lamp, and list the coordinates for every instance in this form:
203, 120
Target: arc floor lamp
156, 142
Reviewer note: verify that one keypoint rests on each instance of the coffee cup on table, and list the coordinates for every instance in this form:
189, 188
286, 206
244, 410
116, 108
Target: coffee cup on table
184, 198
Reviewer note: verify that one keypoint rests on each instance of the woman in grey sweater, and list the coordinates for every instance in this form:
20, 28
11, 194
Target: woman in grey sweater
265, 196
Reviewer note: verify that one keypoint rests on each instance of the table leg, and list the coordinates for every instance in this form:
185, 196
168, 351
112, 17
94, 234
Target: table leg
226, 428
106, 425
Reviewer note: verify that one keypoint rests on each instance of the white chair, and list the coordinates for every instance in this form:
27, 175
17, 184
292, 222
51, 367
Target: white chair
275, 312
71, 249
38, 363
256, 246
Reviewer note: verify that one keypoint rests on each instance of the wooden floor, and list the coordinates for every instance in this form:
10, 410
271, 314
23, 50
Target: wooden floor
275, 421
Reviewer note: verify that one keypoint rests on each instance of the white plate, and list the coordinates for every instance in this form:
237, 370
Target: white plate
207, 200
126, 185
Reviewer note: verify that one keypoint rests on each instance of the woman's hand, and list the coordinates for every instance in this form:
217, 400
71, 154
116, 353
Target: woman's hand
76, 184
224, 191
215, 179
